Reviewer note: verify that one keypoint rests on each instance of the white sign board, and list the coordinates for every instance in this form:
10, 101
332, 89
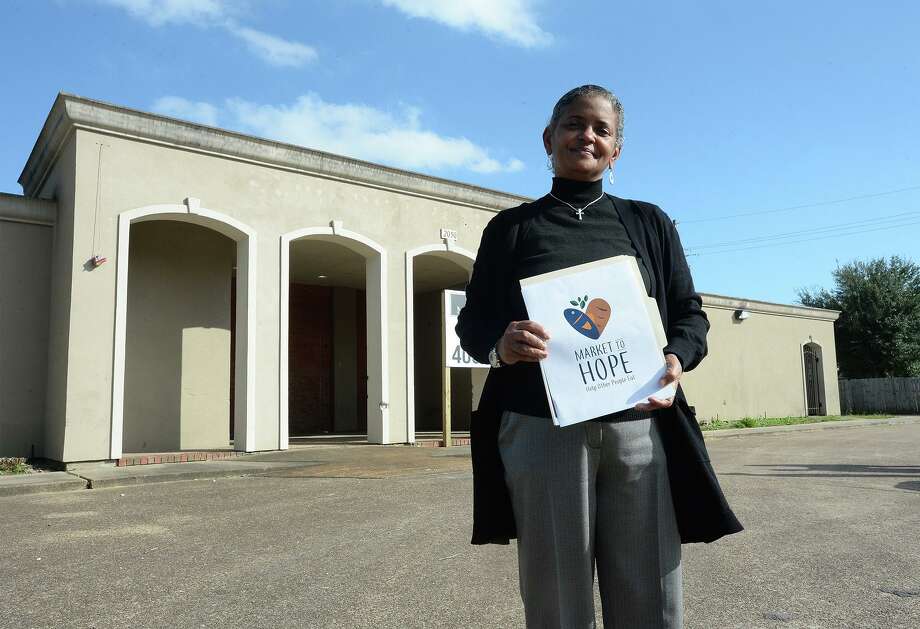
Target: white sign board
605, 341
454, 300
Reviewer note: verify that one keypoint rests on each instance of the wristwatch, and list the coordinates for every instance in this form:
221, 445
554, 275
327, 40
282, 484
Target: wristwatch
494, 359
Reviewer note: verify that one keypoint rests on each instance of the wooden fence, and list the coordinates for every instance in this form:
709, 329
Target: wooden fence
899, 396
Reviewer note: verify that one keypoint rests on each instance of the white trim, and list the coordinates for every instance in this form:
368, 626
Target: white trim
765, 307
245, 237
376, 272
410, 323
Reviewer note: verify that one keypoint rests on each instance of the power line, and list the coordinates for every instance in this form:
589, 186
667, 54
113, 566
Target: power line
792, 242
798, 207
830, 228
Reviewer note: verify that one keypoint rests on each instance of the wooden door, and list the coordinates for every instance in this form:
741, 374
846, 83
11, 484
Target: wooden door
812, 381
310, 374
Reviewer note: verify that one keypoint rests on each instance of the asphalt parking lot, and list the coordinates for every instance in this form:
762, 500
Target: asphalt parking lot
367, 536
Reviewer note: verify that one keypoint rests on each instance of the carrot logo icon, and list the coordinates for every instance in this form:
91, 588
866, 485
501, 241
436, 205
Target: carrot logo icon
589, 321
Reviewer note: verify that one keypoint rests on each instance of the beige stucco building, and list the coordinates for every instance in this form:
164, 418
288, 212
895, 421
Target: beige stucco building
168, 286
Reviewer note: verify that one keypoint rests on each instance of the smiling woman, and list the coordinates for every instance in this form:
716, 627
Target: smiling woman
585, 134
619, 492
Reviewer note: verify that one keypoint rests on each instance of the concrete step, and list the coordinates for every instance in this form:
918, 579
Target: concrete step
43, 482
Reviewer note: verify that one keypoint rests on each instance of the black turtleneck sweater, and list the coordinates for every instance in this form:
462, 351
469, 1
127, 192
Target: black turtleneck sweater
553, 238
556, 238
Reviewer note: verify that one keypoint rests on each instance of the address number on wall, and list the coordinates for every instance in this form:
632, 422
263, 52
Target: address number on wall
460, 356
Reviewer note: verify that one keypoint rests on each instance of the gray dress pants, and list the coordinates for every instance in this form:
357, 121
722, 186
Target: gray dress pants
596, 493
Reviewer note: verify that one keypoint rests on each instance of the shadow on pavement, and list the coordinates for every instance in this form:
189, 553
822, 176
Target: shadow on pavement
843, 469
806, 470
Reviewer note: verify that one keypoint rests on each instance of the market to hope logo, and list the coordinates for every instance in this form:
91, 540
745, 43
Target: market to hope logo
589, 321
598, 363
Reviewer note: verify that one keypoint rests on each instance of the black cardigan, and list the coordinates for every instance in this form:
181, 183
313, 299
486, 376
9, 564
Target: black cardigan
703, 515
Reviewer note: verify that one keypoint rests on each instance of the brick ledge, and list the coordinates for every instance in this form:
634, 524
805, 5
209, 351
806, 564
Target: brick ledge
176, 457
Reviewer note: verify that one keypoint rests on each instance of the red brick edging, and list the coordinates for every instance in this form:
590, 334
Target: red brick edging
176, 457
438, 443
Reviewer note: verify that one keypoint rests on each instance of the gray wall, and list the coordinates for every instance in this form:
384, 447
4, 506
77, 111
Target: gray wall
177, 369
754, 367
60, 185
131, 161
25, 297
274, 191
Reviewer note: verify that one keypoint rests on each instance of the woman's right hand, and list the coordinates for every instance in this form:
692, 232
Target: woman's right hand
523, 341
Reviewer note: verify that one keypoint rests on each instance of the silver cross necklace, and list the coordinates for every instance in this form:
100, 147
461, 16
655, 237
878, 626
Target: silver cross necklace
579, 211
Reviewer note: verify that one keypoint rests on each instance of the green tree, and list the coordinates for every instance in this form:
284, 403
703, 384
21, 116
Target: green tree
878, 332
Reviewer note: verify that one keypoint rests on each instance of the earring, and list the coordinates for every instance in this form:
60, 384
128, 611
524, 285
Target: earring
549, 164
610, 174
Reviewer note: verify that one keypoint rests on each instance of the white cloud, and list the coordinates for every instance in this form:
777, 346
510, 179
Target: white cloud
179, 107
365, 133
512, 20
274, 50
204, 13
160, 12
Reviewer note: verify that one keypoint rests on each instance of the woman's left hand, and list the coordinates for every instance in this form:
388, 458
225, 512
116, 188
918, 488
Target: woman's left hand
674, 372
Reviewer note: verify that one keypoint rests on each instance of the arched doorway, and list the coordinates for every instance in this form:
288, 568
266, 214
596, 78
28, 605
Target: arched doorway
814, 379
333, 336
429, 271
172, 383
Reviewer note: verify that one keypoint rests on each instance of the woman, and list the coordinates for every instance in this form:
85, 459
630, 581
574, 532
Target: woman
620, 492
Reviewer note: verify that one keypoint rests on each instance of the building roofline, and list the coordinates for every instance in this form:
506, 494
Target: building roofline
766, 307
70, 111
19, 209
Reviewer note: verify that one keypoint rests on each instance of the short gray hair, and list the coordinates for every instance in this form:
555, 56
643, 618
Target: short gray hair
589, 91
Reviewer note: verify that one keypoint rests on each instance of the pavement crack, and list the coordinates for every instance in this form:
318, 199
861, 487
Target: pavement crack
900, 593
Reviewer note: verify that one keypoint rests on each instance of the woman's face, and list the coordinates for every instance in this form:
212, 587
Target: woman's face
583, 143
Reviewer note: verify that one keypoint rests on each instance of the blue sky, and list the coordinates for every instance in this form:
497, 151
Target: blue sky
773, 111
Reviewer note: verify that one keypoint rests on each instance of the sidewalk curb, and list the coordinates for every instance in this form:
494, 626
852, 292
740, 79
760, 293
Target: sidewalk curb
111, 477
45, 482
847, 423
107, 478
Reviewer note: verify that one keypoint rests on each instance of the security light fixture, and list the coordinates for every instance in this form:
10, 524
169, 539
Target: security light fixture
741, 315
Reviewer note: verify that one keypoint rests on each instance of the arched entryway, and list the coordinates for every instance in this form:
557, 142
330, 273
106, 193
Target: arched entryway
172, 378
814, 379
333, 336
429, 271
